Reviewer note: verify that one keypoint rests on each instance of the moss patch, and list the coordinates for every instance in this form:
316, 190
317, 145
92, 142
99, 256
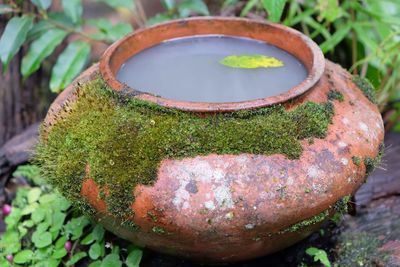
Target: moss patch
340, 207
313, 220
335, 95
371, 163
361, 249
124, 139
356, 160
366, 87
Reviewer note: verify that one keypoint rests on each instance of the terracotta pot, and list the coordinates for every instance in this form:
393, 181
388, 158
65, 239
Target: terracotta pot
256, 204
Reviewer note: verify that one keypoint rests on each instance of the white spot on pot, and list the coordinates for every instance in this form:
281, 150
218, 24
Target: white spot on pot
181, 195
218, 175
313, 171
289, 181
344, 161
202, 170
342, 144
249, 226
363, 127
185, 205
223, 196
209, 205
345, 121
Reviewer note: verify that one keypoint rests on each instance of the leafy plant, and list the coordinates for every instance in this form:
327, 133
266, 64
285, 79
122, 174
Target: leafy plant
44, 31
182, 9
360, 35
43, 230
319, 255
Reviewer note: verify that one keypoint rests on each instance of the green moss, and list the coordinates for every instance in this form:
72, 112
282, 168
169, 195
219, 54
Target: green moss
124, 139
366, 87
371, 163
361, 249
158, 230
340, 207
356, 160
313, 220
335, 95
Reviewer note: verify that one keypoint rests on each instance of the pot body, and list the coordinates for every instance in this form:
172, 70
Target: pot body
226, 208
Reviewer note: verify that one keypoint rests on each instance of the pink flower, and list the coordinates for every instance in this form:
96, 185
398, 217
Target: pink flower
6, 209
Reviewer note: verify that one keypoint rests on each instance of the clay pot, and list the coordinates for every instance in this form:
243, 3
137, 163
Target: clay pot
256, 204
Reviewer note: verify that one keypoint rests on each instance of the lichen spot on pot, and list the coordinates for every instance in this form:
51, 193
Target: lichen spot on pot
124, 139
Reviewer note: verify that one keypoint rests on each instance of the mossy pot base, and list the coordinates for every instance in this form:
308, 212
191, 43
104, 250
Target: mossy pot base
195, 184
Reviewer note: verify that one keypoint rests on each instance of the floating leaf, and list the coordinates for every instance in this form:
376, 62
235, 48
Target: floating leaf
69, 64
42, 4
73, 9
40, 49
13, 37
251, 62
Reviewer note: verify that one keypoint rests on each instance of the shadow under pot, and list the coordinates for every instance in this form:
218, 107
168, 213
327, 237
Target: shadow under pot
201, 137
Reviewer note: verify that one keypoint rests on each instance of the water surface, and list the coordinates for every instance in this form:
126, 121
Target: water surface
188, 69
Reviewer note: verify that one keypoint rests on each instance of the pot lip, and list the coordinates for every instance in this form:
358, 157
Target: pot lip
314, 73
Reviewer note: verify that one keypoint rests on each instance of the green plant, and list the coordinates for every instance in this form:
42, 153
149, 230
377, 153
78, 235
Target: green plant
43, 230
368, 31
45, 30
181, 9
360, 35
319, 255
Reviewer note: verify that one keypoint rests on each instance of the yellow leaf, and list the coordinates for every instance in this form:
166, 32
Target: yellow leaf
251, 62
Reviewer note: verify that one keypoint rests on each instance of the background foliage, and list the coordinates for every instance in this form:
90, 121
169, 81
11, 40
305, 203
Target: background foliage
44, 230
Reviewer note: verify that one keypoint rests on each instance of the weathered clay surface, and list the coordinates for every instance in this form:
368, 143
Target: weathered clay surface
211, 207
225, 208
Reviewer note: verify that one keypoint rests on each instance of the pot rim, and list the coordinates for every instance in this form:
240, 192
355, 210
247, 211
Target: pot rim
300, 44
